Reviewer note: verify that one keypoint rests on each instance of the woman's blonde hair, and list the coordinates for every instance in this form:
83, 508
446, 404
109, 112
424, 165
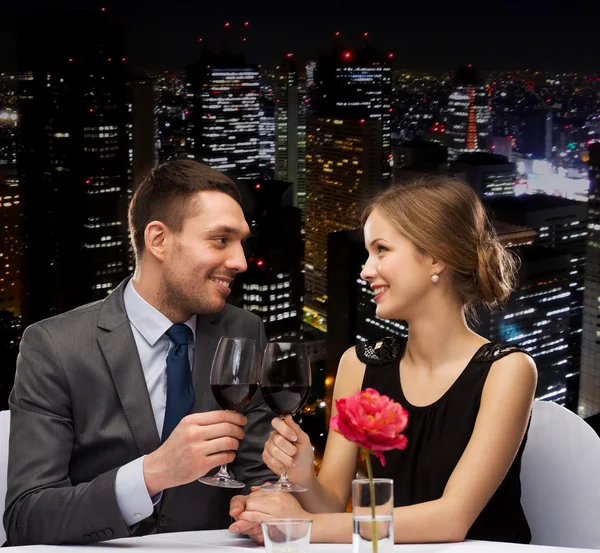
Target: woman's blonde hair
444, 218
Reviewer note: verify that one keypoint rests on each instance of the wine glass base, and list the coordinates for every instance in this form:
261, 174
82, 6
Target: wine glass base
283, 487
221, 482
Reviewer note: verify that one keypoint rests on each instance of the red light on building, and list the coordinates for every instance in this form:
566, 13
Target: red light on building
289, 55
88, 181
244, 39
103, 10
70, 60
547, 100
361, 121
91, 110
200, 40
337, 33
109, 59
259, 262
123, 59
365, 34
257, 186
469, 65
246, 23
347, 55
227, 24
391, 55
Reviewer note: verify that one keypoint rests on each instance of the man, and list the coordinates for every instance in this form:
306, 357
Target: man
101, 445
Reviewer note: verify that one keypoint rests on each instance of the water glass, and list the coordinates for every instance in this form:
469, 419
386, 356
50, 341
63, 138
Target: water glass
364, 526
286, 535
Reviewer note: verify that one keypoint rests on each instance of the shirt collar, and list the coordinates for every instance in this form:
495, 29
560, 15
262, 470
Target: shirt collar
147, 320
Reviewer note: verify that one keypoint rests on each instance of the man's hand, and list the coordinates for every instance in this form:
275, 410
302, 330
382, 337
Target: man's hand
199, 443
259, 506
251, 529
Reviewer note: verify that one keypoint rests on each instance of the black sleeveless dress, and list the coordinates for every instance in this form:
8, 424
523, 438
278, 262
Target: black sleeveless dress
437, 437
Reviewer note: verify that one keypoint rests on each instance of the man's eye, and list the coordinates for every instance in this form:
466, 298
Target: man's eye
221, 241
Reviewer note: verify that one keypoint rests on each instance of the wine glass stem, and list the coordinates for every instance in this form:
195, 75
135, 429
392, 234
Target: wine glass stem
222, 472
283, 479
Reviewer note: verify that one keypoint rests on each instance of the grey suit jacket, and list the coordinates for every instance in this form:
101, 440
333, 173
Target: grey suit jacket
80, 409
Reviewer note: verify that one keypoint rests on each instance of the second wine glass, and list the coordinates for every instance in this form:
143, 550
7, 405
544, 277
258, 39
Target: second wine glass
285, 385
234, 380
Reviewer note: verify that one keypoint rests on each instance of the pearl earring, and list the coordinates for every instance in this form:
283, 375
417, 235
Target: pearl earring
435, 278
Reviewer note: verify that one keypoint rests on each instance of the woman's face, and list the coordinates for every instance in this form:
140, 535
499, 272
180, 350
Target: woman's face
399, 275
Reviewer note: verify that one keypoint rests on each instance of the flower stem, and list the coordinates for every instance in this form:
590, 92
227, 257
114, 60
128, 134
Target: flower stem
375, 537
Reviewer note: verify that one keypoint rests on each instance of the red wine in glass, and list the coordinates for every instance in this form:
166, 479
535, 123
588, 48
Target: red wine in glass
234, 381
285, 386
234, 397
285, 400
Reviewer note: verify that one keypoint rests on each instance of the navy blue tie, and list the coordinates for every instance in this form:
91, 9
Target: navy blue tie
180, 390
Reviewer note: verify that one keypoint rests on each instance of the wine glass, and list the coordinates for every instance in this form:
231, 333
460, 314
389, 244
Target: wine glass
285, 386
234, 381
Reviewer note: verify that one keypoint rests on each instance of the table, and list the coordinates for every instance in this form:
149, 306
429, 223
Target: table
221, 541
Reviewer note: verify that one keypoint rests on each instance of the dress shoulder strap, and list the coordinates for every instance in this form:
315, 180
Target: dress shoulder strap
492, 352
380, 353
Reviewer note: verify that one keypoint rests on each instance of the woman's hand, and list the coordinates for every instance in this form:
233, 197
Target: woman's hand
289, 448
262, 506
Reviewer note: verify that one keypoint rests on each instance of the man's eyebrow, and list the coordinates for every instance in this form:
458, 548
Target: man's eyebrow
224, 229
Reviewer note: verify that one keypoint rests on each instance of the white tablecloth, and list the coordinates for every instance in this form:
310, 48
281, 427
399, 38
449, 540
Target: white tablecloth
221, 541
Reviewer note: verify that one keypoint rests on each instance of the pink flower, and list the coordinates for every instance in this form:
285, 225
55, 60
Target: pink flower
372, 421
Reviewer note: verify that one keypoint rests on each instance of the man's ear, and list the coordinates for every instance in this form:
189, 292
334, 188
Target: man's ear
157, 239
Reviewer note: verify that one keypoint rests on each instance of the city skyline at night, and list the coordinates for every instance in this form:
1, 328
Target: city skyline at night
320, 121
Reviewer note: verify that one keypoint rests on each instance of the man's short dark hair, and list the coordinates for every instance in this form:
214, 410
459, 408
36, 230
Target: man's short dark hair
166, 195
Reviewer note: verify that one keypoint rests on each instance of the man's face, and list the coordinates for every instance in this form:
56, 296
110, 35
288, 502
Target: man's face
202, 260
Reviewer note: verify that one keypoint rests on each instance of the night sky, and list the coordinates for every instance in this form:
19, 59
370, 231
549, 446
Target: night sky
425, 34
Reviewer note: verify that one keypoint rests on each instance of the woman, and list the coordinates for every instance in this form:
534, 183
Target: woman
433, 258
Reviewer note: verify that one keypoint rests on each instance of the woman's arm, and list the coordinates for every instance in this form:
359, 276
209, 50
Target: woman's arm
289, 447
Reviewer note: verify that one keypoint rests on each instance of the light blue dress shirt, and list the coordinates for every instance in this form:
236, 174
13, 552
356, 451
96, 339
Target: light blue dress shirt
148, 326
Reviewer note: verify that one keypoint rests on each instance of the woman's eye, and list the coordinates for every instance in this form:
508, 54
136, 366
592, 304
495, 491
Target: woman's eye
381, 249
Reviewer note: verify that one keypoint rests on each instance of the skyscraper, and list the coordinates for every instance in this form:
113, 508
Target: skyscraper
536, 317
10, 243
10, 246
589, 387
348, 153
290, 127
144, 128
266, 137
358, 85
490, 175
468, 116
343, 168
560, 224
226, 114
273, 285
74, 161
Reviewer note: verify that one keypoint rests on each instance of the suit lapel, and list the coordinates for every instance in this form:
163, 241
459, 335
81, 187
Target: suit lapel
118, 346
208, 334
